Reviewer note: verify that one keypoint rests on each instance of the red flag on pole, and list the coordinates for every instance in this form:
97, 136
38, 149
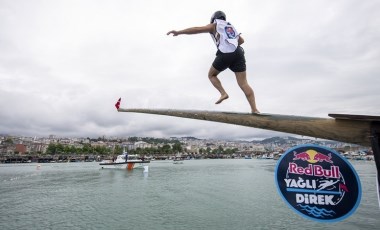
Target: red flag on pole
117, 105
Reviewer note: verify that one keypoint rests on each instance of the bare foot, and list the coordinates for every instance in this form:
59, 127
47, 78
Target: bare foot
256, 112
222, 98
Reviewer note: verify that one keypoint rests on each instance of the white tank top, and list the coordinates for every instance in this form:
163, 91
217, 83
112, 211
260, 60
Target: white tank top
226, 37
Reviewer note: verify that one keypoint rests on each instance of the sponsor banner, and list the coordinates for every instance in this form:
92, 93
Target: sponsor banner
318, 183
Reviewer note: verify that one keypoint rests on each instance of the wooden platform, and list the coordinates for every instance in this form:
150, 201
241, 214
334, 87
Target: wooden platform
344, 127
354, 117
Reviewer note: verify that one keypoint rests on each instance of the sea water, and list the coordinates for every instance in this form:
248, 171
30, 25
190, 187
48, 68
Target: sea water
199, 194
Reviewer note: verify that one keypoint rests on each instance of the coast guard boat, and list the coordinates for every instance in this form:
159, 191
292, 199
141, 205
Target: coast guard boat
124, 161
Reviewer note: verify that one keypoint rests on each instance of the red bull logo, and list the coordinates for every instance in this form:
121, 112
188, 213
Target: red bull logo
301, 156
321, 157
318, 183
312, 156
314, 170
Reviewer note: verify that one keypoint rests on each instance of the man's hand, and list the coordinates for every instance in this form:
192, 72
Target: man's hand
174, 32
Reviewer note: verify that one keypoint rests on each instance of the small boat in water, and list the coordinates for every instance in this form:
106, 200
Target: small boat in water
125, 161
177, 160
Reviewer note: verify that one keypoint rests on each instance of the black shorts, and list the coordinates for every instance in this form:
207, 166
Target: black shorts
235, 61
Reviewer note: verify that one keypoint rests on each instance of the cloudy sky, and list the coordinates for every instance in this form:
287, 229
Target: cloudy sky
64, 63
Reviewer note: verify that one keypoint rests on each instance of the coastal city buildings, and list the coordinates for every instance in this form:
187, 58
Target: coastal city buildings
191, 146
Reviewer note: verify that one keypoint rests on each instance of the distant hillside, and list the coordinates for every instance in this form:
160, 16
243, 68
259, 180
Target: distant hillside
186, 138
191, 138
278, 140
290, 140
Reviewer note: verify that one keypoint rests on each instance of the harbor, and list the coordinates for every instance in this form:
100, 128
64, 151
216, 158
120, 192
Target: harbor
199, 194
63, 158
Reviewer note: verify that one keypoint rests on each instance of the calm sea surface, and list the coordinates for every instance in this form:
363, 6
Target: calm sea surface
199, 194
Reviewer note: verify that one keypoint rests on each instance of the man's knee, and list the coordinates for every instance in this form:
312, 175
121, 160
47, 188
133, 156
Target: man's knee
210, 76
213, 72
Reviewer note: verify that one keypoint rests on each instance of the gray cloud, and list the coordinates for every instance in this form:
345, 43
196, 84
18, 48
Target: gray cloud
63, 64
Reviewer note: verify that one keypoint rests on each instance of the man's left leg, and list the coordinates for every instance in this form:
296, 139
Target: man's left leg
241, 78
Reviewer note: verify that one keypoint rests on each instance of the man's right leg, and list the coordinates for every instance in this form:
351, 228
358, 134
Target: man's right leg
213, 76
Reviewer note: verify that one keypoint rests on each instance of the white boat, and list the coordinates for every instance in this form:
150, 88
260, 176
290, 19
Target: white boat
178, 160
125, 161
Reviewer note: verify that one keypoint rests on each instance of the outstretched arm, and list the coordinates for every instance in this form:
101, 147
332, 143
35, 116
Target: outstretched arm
210, 28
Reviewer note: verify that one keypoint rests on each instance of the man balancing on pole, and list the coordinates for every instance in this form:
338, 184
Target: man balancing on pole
229, 55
